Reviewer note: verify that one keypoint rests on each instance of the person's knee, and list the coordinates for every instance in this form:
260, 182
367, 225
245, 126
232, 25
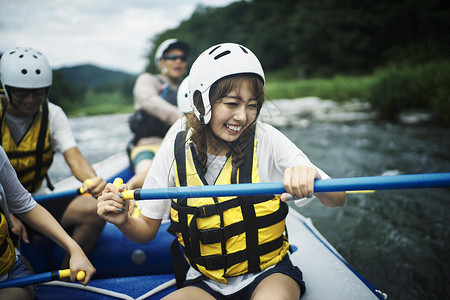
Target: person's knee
18, 293
86, 210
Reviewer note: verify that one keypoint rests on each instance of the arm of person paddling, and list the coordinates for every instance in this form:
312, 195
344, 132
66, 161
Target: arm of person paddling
83, 171
298, 182
282, 160
63, 141
40, 219
114, 209
20, 202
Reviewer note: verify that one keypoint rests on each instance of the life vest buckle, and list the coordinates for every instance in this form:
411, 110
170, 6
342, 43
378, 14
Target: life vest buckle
211, 236
208, 210
216, 262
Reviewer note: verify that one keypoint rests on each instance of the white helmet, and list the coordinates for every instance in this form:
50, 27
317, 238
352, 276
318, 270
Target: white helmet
183, 100
218, 62
168, 45
25, 68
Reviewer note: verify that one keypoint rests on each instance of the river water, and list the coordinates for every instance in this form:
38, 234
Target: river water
398, 240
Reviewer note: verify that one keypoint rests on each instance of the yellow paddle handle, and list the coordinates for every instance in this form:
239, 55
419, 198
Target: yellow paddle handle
66, 273
127, 195
118, 182
81, 190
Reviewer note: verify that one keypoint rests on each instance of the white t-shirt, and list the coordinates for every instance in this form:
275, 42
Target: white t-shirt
275, 153
61, 136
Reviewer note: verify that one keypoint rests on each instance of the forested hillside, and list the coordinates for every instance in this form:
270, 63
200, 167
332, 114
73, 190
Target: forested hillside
84, 85
393, 54
93, 76
326, 37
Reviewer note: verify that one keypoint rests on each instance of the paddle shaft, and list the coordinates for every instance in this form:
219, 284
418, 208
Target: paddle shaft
39, 278
412, 181
64, 194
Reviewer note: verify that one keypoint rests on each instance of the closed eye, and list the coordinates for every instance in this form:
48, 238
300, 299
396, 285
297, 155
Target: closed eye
253, 104
231, 104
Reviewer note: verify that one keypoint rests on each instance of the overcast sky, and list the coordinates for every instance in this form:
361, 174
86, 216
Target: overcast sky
108, 33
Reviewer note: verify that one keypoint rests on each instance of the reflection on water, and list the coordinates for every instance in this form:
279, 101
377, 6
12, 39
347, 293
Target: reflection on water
398, 240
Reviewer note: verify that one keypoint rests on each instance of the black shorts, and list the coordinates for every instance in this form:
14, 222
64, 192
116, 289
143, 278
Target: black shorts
285, 266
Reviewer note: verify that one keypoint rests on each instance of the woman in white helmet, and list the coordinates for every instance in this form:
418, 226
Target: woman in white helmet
155, 104
236, 247
31, 130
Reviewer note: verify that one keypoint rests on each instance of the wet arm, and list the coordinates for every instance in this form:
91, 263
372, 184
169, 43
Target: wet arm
83, 170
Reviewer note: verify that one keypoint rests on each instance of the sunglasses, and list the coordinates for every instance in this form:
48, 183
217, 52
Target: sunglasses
175, 57
23, 93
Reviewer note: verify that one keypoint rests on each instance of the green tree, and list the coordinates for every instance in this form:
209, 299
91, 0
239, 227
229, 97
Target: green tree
64, 93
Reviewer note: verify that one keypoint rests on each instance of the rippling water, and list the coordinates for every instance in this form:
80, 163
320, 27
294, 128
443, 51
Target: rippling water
398, 240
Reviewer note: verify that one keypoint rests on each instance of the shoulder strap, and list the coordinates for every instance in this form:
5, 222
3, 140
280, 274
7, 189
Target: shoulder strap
41, 144
180, 156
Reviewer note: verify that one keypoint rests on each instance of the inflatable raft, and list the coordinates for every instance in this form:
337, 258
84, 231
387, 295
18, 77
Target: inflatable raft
126, 270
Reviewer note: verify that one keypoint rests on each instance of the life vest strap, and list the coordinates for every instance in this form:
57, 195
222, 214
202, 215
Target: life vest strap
214, 209
217, 262
25, 171
22, 154
217, 235
3, 246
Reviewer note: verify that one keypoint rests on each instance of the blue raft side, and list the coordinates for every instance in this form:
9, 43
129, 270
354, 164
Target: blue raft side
134, 287
369, 285
154, 256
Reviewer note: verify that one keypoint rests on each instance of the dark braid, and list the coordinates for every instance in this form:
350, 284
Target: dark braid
198, 137
217, 92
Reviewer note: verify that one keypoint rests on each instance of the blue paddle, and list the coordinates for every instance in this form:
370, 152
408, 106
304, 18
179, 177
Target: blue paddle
70, 193
39, 278
412, 181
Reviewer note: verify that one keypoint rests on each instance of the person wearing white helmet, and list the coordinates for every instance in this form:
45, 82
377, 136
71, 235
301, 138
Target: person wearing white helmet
32, 129
237, 247
155, 104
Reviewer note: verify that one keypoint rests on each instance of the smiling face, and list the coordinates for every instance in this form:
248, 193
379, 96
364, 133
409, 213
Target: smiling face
173, 64
25, 102
233, 113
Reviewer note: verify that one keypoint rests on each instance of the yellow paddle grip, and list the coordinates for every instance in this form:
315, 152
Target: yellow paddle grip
66, 273
88, 183
118, 182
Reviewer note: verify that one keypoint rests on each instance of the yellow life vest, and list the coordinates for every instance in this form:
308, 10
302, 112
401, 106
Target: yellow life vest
33, 156
7, 251
227, 236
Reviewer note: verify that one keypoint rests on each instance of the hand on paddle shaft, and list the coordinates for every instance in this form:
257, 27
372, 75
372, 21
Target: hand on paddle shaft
112, 206
40, 278
93, 186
